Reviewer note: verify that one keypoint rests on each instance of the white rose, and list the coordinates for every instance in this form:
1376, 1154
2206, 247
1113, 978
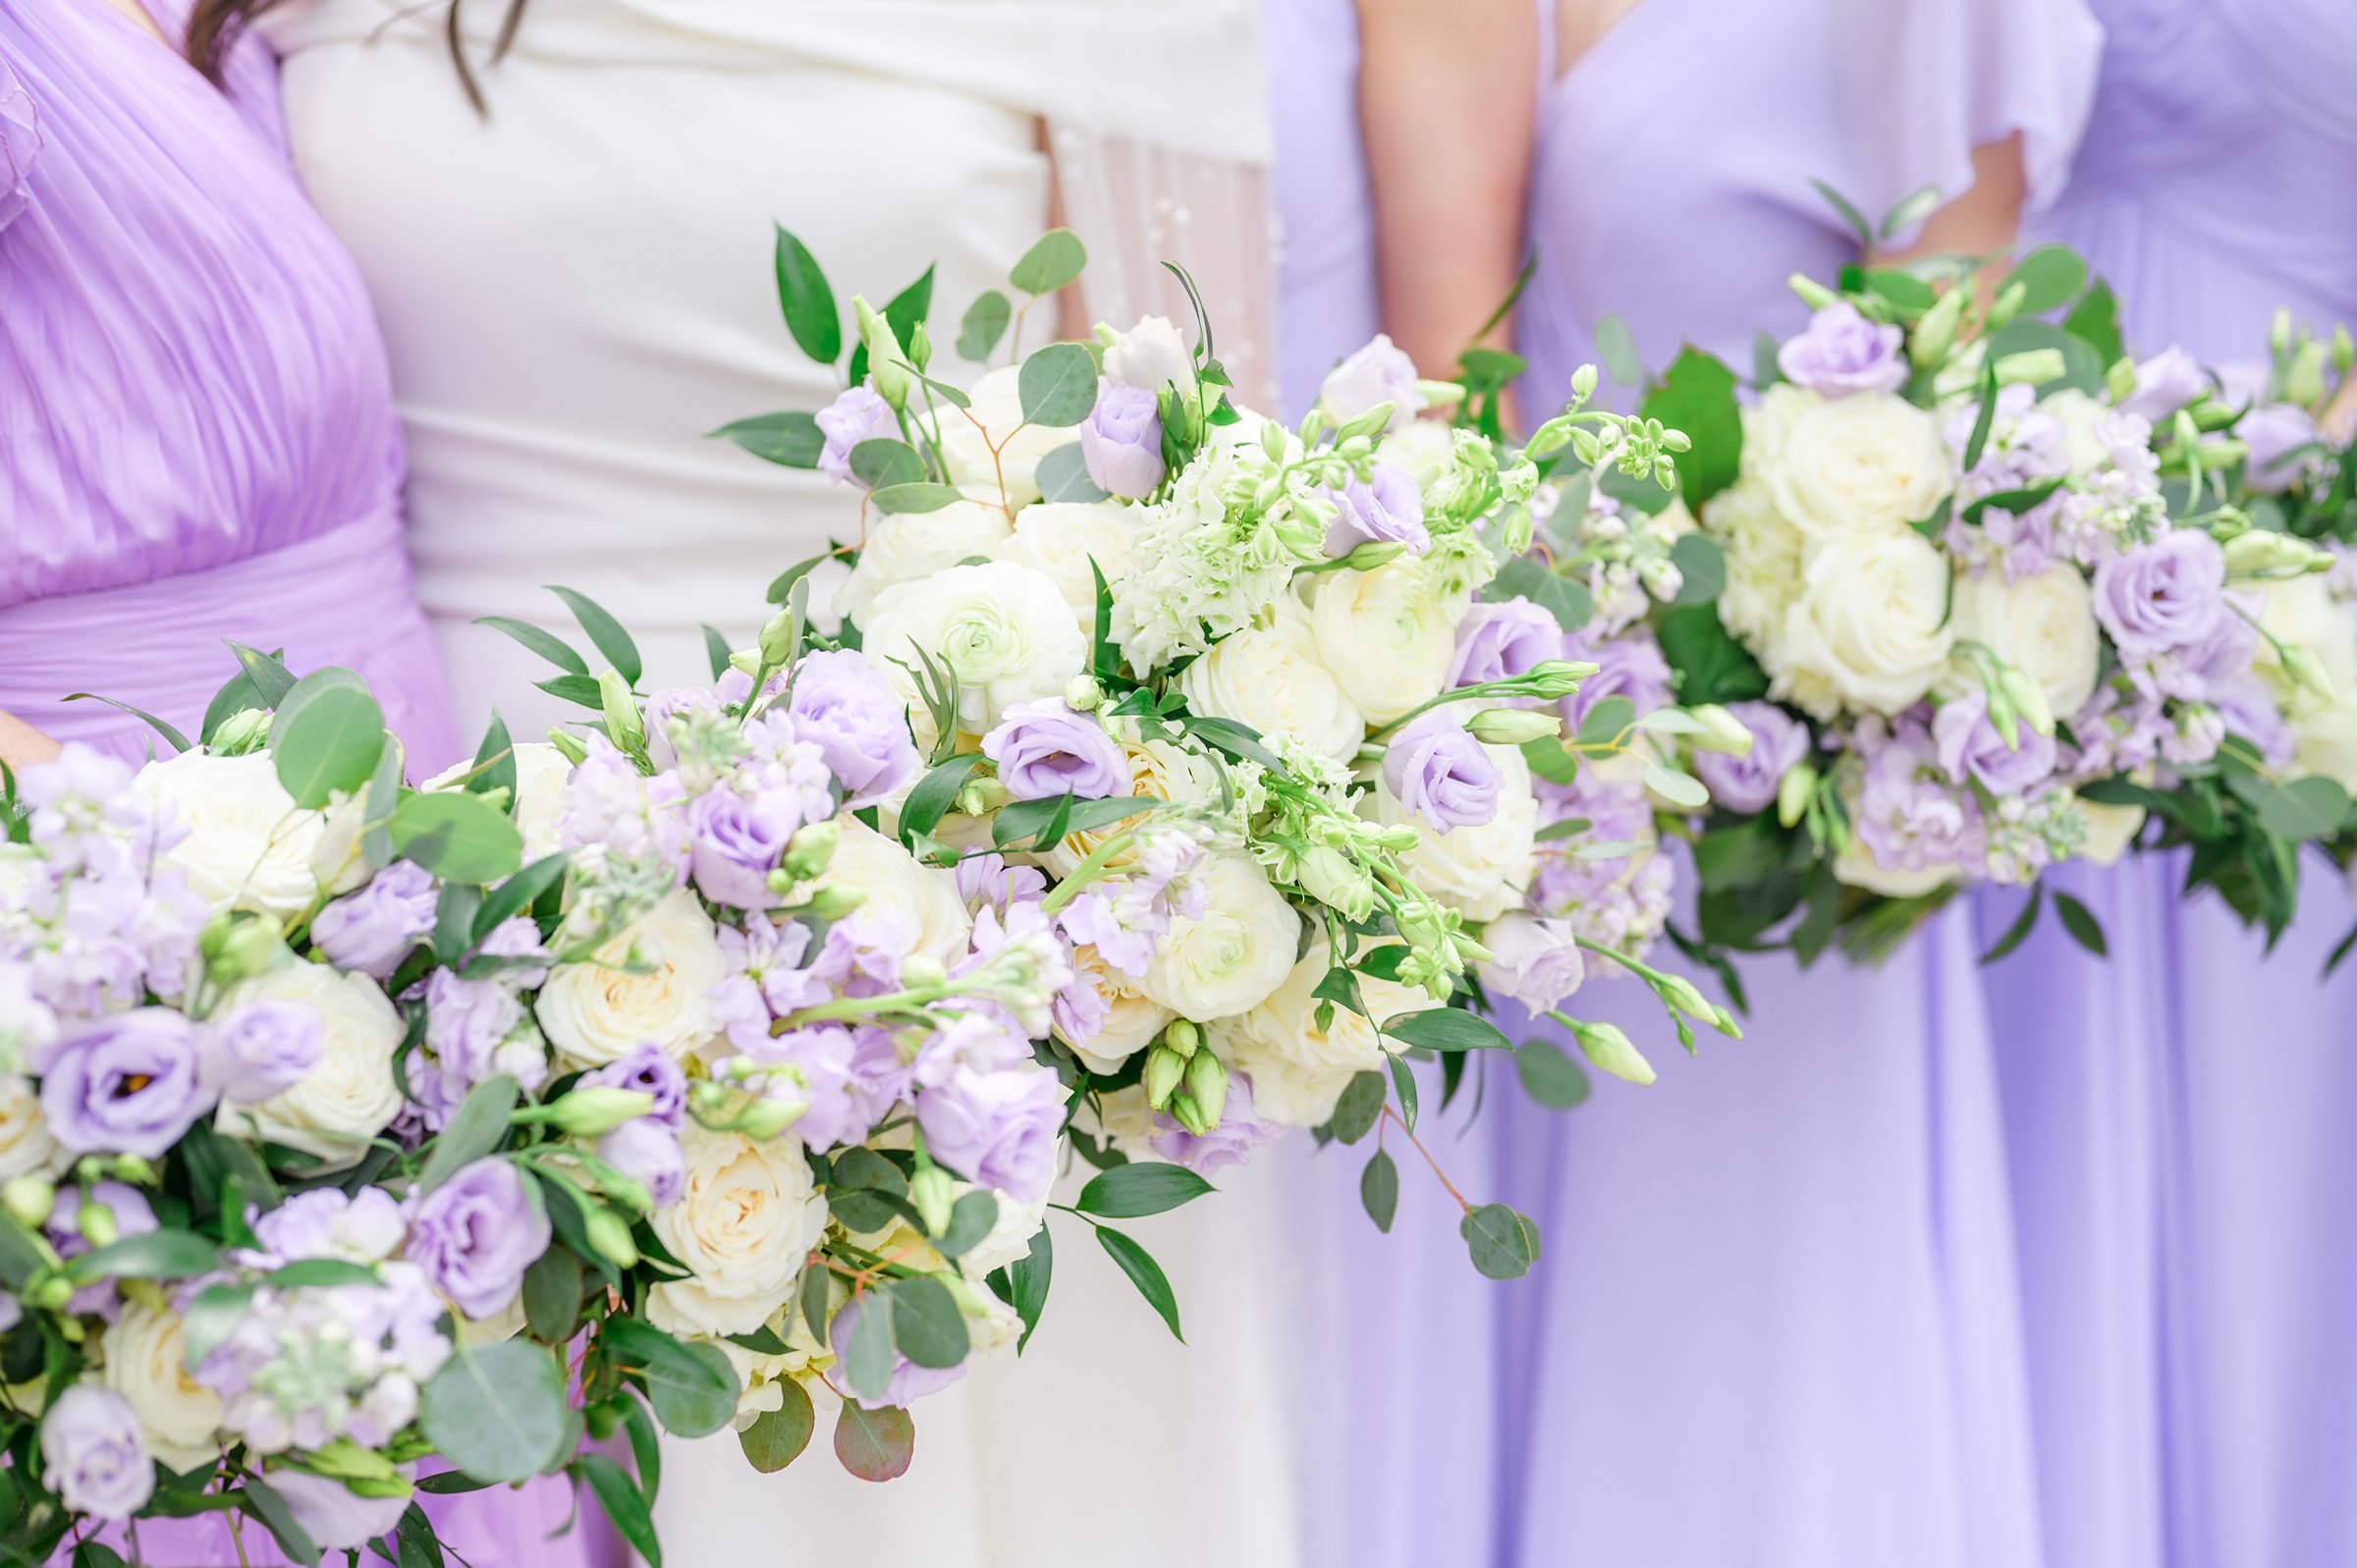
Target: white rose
146, 1363
1157, 769
249, 847
25, 1147
597, 1010
2325, 740
1298, 1070
745, 1220
2304, 611
2042, 625
1867, 465
1388, 635
351, 1096
996, 401
1009, 1235
2109, 831
1271, 679
896, 882
1425, 448
1763, 564
1767, 426
1150, 356
1122, 1120
1481, 871
1869, 628
1059, 539
1131, 1017
539, 805
1234, 953
1856, 866
1004, 629
907, 546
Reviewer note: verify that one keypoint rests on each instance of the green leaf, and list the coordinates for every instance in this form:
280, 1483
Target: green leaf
931, 799
1697, 396
1141, 1187
1054, 261
1711, 666
457, 836
474, 1129
1907, 294
1606, 719
271, 678
983, 325
1043, 823
863, 1342
1849, 212
1549, 1076
2095, 321
264, 1505
1448, 1029
2048, 276
1987, 417
971, 1219
160, 1254
777, 1437
96, 1554
1681, 789
1503, 1243
875, 1444
619, 1496
326, 737
1701, 565
791, 439
521, 891
691, 1385
547, 644
1404, 1085
497, 1413
1908, 211
1379, 1190
807, 301
177, 741
1569, 602
236, 696
1029, 1278
1551, 760
552, 1295
880, 464
1144, 1273
1058, 386
605, 632
2019, 931
1618, 352
320, 1272
1062, 476
2081, 369
2305, 808
414, 1542
914, 498
926, 1325
495, 762
2080, 922
781, 587
211, 1316
717, 651
1358, 1108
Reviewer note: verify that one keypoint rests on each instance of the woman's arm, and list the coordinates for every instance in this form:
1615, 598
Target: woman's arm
20, 744
1447, 96
1987, 216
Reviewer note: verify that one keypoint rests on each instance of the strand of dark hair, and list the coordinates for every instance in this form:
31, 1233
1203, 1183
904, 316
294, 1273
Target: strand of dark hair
214, 27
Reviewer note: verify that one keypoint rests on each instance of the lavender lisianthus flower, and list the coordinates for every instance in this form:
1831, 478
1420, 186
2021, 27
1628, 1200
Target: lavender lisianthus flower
766, 980
1230, 1143
989, 1112
650, 1070
843, 705
475, 1030
93, 1456
370, 930
1121, 442
123, 1084
1045, 748
1441, 774
1509, 638
2164, 595
1970, 748
649, 1153
1533, 961
856, 414
1630, 666
1385, 507
332, 1514
257, 1050
1378, 371
1910, 815
1842, 353
735, 842
2276, 433
2164, 383
1748, 783
475, 1234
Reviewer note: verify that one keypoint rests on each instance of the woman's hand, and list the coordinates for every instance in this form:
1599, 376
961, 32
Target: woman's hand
20, 744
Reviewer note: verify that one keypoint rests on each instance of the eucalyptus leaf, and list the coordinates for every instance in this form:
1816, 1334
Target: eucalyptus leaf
1503, 1243
326, 738
1062, 476
983, 325
882, 463
1618, 352
1379, 1190
497, 1412
1058, 386
1701, 563
2048, 276
777, 1437
457, 836
1549, 1076
917, 497
1055, 260
875, 1444
926, 1325
2305, 808
791, 439
690, 1384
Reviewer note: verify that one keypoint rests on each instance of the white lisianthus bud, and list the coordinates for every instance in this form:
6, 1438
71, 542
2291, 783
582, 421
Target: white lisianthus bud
1185, 1036
1609, 1050
28, 1200
811, 849
2307, 670
1550, 678
1207, 1089
833, 903
2304, 381
933, 1194
248, 730
1816, 295
2278, 331
1722, 731
589, 1112
1583, 383
884, 354
96, 1222
2262, 550
1164, 1068
1792, 796
568, 746
1684, 995
1374, 552
609, 1236
920, 346
238, 946
2028, 699
1512, 726
1936, 332
2032, 367
1083, 694
2344, 350
2120, 382
626, 726
2009, 301
777, 640
773, 1113
923, 972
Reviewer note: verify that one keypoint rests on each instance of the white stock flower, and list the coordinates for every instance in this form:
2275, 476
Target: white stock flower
248, 846
997, 403
1271, 678
910, 546
1004, 629
745, 1220
897, 882
1234, 953
539, 805
146, 1363
1297, 1070
1388, 635
351, 1096
1869, 631
1480, 871
597, 1010
1150, 357
1059, 539
1131, 1017
1862, 466
25, 1147
2042, 625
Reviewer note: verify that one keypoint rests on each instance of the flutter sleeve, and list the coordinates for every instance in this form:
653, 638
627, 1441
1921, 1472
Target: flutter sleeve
20, 144
1923, 83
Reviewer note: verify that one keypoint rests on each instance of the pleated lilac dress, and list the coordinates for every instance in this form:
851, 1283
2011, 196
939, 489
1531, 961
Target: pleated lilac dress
2177, 1117
196, 431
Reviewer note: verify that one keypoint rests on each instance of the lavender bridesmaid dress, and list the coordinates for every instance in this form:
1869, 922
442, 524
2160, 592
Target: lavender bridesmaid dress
2176, 1118
197, 441
197, 433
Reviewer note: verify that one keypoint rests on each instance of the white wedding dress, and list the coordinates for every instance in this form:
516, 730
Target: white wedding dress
575, 289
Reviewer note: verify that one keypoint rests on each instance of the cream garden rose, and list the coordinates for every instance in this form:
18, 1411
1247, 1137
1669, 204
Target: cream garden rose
1269, 677
1869, 631
2109, 831
910, 546
1386, 635
1298, 1070
1861, 465
1763, 563
540, 774
1234, 953
248, 845
895, 882
1004, 629
1480, 871
995, 415
2042, 625
351, 1096
25, 1147
147, 1363
1131, 1017
598, 1010
1059, 539
745, 1220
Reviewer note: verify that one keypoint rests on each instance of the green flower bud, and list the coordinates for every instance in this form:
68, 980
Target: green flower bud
923, 972
2344, 351
920, 346
883, 353
239, 945
1793, 793
2029, 700
1687, 997
589, 1112
96, 1222
1936, 331
609, 1236
1372, 422
136, 1170
1816, 295
2002, 714
769, 1116
2032, 367
1512, 726
1550, 678
2257, 552
980, 797
1609, 1049
2120, 382
1583, 384
1207, 1089
2009, 301
49, 1292
28, 1200
2304, 381
1375, 552
570, 746
628, 1191
248, 730
933, 1193
1162, 1074
1083, 694
2278, 331
833, 903
1185, 1036
811, 849
777, 640
1720, 730
2307, 670
626, 726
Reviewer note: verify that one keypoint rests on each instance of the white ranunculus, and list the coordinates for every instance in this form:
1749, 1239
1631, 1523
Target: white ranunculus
1234, 953
248, 846
1856, 866
146, 1363
1009, 1235
1297, 1070
745, 1220
1150, 357
2109, 831
1767, 426
996, 401
895, 881
1870, 629
2325, 740
25, 1147
597, 1010
2304, 611
1157, 769
351, 1096
1131, 1017
1388, 635
1863, 465
1004, 629
910, 546
1481, 871
1059, 539
2042, 625
1425, 448
1763, 564
539, 805
1272, 679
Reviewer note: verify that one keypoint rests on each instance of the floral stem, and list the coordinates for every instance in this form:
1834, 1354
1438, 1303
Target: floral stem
1389, 1115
